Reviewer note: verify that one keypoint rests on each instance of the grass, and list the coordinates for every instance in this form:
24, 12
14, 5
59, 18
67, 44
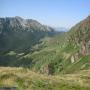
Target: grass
82, 64
25, 79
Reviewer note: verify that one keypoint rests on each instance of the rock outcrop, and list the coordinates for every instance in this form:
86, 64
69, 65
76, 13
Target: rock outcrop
80, 38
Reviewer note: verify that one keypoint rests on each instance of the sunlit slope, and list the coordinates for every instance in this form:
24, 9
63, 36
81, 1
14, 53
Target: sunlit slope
24, 79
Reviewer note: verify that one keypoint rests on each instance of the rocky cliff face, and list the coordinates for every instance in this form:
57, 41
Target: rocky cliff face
20, 34
80, 38
16, 23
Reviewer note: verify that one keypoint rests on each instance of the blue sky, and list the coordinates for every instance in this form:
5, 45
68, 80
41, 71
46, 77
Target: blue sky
56, 13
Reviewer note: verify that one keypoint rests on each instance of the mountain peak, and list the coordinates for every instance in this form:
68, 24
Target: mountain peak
88, 17
19, 18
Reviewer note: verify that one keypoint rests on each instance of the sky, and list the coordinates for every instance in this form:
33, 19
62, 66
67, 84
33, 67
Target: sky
55, 13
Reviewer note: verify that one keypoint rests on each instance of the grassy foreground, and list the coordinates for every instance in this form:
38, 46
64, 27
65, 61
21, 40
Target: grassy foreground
25, 79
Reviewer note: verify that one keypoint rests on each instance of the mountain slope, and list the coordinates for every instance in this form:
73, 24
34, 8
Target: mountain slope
20, 34
78, 47
80, 36
66, 52
60, 62
24, 79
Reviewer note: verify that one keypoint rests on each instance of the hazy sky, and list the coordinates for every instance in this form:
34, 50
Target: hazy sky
56, 13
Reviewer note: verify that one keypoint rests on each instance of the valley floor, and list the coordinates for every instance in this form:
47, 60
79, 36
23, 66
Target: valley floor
24, 79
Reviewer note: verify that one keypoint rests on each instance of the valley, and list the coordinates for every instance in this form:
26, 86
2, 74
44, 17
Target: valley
36, 57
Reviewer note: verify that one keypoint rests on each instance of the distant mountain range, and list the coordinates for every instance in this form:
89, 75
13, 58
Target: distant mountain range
20, 34
61, 29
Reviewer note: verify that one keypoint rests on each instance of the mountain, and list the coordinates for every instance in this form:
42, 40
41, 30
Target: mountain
44, 59
78, 47
80, 36
20, 34
61, 29
58, 54
65, 53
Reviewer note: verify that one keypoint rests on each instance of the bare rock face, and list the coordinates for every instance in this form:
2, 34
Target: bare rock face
47, 69
80, 37
75, 57
85, 48
88, 48
72, 59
